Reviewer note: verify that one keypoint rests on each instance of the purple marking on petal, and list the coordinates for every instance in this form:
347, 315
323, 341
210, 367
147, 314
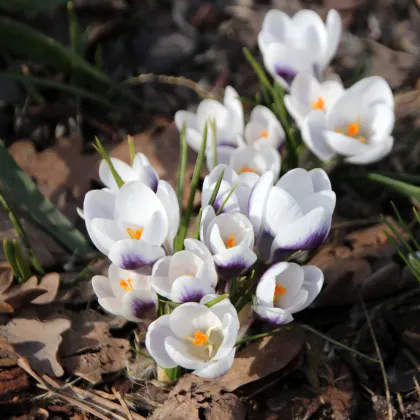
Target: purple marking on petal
131, 261
143, 309
191, 295
285, 72
153, 179
227, 144
265, 241
275, 320
234, 268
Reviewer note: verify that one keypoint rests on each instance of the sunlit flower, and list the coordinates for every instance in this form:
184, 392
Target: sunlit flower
248, 159
241, 185
293, 215
229, 119
196, 337
286, 288
126, 293
141, 170
187, 275
358, 126
307, 94
132, 224
301, 43
230, 239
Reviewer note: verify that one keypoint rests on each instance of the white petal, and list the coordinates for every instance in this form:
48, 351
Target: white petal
143, 171
297, 182
294, 110
189, 118
373, 90
229, 176
131, 254
265, 288
101, 287
313, 281
293, 304
234, 261
206, 218
194, 139
382, 119
344, 145
374, 154
105, 175
326, 199
107, 232
180, 353
313, 134
234, 104
333, 26
216, 369
223, 154
189, 289
278, 24
320, 180
154, 231
331, 90
190, 317
111, 305
276, 316
136, 280
156, 334
184, 263
221, 308
198, 248
139, 305
305, 89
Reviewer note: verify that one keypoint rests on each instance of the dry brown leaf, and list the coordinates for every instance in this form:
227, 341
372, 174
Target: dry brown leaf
263, 357
38, 341
12, 381
6, 276
101, 353
51, 283
193, 398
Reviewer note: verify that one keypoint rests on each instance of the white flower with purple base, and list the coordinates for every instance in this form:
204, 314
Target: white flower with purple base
229, 119
196, 337
230, 239
187, 275
301, 43
141, 170
287, 288
293, 215
132, 224
126, 293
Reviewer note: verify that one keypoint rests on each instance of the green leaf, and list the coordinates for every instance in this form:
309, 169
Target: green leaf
183, 154
9, 254
25, 271
401, 187
17, 186
30, 5
216, 300
216, 188
131, 149
172, 373
104, 154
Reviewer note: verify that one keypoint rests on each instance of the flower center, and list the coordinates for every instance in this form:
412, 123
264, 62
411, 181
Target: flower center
135, 234
319, 104
231, 241
127, 285
279, 291
352, 130
264, 134
247, 169
199, 338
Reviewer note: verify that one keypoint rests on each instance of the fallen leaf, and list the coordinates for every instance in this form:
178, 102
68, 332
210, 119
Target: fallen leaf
12, 381
193, 398
264, 357
6, 276
89, 350
38, 341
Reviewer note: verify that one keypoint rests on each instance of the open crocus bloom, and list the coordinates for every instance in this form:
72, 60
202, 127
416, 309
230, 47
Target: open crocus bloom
196, 337
230, 239
287, 288
249, 159
131, 225
187, 275
358, 126
293, 215
307, 94
238, 200
126, 293
229, 119
301, 43
141, 170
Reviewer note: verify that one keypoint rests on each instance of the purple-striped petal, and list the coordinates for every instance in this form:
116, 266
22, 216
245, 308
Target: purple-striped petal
189, 289
139, 305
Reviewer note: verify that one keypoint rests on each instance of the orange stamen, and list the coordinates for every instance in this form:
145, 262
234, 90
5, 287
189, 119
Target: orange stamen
199, 338
127, 285
264, 134
135, 234
319, 104
279, 291
246, 169
353, 129
230, 241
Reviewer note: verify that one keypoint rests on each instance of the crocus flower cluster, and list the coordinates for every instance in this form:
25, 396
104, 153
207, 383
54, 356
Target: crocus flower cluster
254, 215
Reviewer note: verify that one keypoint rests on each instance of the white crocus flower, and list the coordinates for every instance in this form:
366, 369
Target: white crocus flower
287, 288
293, 215
248, 159
307, 94
301, 43
132, 224
141, 170
358, 126
126, 293
230, 239
229, 119
187, 275
238, 199
196, 337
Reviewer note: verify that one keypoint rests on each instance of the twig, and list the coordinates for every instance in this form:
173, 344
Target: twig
122, 402
378, 352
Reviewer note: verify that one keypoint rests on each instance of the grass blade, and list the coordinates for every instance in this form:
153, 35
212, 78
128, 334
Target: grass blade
226, 199
401, 187
25, 271
9, 254
183, 155
216, 188
131, 149
104, 154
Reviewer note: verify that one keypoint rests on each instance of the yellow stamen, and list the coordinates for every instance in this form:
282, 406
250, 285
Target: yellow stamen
135, 234
264, 134
199, 338
246, 169
319, 104
279, 291
127, 285
230, 241
353, 130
